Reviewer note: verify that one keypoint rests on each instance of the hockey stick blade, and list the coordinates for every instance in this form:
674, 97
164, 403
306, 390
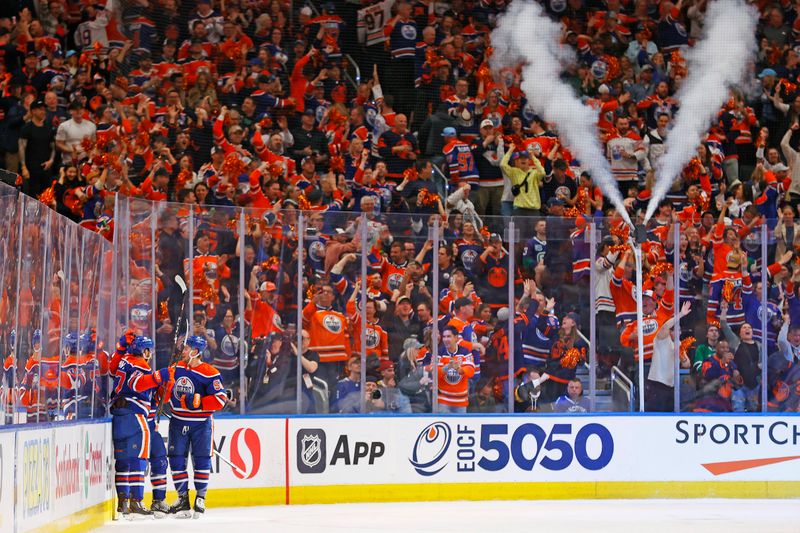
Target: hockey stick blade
181, 283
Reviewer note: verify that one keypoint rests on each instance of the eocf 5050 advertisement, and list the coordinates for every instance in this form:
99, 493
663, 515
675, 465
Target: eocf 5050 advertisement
331, 451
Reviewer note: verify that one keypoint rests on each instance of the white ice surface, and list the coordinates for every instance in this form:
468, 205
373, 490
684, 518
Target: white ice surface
619, 516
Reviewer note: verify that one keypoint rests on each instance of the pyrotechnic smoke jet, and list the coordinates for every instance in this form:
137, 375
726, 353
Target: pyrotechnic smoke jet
719, 61
526, 35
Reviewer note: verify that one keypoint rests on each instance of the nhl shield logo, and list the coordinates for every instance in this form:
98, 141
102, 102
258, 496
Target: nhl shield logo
311, 451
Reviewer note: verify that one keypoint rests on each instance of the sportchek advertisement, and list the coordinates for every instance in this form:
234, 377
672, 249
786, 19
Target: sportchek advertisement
520, 449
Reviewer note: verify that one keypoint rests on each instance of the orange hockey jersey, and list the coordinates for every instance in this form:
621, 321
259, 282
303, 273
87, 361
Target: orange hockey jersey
650, 326
377, 338
622, 291
454, 384
329, 333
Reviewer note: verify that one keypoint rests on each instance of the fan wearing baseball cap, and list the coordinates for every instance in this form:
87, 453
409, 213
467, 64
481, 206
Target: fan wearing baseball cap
37, 150
526, 177
460, 164
264, 316
488, 199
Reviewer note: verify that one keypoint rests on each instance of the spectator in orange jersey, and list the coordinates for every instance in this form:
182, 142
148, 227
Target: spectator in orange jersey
329, 331
454, 370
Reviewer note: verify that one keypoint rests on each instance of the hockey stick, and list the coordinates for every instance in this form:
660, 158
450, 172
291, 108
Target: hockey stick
175, 352
227, 461
60, 275
182, 285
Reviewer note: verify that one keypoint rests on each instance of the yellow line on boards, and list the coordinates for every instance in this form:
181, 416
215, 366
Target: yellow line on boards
544, 491
499, 491
244, 497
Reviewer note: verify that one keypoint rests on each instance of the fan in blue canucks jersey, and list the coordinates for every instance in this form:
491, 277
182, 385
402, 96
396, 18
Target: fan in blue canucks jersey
197, 393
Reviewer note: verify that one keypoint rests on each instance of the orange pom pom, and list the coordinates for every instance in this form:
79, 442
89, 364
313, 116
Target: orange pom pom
728, 291
163, 311
303, 203
336, 117
275, 170
685, 345
660, 268
411, 173
702, 201
571, 358
484, 74
693, 170
514, 139
430, 55
787, 87
184, 177
337, 164
618, 248
427, 198
233, 166
48, 197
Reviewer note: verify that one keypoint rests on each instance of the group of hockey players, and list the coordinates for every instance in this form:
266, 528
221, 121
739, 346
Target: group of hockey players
55, 388
193, 390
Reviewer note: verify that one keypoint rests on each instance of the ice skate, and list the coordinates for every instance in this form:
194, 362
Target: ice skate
123, 508
199, 507
182, 508
137, 510
160, 509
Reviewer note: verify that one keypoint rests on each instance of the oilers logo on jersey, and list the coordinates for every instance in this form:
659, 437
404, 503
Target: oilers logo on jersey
210, 271
317, 250
649, 326
372, 338
183, 385
452, 376
409, 32
395, 280
332, 323
468, 258
685, 273
599, 69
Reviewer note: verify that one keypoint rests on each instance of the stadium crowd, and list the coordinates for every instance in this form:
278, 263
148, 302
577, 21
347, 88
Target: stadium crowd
219, 110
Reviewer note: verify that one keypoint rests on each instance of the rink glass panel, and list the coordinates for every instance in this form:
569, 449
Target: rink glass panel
62, 279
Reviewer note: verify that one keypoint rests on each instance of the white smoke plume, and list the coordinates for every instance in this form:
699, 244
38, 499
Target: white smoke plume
719, 61
525, 34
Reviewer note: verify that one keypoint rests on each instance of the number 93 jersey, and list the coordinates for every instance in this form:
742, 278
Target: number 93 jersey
203, 380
